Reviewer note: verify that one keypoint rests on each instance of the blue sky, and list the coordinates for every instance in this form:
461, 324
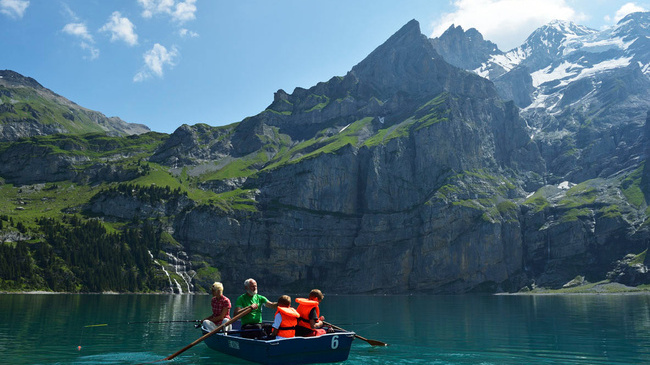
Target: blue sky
164, 63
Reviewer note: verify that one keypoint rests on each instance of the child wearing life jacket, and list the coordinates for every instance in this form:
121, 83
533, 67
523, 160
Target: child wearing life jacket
286, 318
310, 322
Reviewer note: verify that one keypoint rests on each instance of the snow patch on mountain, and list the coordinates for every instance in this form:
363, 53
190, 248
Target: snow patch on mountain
550, 81
570, 72
550, 73
542, 101
605, 66
507, 61
600, 44
645, 68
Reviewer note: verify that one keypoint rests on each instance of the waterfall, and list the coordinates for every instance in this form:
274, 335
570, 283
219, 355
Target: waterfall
180, 268
178, 286
171, 286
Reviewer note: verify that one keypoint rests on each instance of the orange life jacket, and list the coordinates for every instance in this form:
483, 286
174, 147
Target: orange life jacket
304, 307
289, 320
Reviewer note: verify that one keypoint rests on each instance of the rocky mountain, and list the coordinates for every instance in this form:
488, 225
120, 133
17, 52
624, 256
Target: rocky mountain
585, 93
464, 49
408, 174
28, 109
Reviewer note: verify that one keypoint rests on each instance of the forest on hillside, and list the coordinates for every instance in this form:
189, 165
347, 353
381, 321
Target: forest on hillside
74, 254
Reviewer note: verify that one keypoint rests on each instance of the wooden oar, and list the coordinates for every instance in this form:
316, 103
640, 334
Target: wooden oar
244, 312
372, 342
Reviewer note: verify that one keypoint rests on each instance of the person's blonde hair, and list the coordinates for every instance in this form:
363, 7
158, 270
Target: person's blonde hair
216, 286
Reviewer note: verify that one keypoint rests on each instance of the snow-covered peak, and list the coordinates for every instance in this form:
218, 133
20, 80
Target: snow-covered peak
568, 64
569, 29
553, 37
546, 44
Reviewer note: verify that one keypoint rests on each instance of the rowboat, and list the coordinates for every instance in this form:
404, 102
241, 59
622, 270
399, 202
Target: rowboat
330, 347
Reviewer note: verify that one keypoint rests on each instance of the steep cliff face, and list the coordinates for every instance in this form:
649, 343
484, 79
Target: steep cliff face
409, 204
323, 222
583, 229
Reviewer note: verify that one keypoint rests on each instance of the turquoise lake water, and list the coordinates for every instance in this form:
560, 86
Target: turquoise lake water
569, 329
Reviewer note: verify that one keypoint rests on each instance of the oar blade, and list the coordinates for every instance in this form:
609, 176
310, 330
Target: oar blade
376, 343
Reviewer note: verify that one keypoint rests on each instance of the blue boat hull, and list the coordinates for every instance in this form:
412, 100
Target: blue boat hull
331, 347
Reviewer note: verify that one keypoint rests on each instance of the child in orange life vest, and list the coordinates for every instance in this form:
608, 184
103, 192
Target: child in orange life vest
310, 322
286, 318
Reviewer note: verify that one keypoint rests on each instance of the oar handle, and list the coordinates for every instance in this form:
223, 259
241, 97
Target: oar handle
244, 312
333, 326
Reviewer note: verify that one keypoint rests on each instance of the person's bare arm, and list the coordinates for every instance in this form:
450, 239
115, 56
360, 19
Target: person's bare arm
316, 324
238, 309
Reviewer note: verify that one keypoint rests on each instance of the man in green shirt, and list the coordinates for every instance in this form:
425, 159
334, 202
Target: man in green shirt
251, 324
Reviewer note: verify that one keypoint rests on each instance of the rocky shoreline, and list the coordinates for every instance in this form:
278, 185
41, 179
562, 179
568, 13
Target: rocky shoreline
602, 287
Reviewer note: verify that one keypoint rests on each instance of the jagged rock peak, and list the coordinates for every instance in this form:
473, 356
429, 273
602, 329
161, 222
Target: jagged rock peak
408, 63
464, 49
399, 62
406, 37
472, 35
280, 95
410, 28
14, 78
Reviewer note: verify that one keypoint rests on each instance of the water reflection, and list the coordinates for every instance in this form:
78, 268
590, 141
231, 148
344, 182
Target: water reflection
578, 329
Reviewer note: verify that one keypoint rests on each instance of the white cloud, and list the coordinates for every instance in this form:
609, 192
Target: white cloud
14, 8
80, 31
505, 22
154, 62
625, 10
180, 12
120, 28
187, 33
67, 12
184, 11
151, 7
94, 52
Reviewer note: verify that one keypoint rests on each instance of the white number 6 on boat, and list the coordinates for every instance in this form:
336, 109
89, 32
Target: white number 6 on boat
335, 342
